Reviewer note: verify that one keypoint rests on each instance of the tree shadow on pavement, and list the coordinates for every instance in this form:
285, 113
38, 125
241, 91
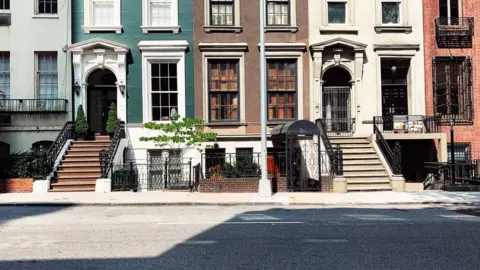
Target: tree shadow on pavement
325, 238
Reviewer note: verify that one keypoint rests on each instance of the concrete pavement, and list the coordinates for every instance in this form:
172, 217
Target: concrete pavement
239, 237
195, 198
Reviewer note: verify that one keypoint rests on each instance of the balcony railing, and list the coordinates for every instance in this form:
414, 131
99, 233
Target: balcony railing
449, 27
406, 124
33, 105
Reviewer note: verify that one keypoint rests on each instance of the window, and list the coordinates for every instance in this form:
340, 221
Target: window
245, 155
278, 12
160, 15
5, 74
47, 6
4, 5
337, 11
223, 90
164, 91
453, 87
449, 8
158, 156
214, 158
47, 75
42, 146
282, 89
462, 151
221, 12
102, 15
391, 11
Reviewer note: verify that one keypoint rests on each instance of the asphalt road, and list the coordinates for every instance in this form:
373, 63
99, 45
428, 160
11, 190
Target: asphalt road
238, 237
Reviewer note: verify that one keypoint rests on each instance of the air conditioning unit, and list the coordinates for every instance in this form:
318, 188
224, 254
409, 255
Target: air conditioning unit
5, 19
5, 120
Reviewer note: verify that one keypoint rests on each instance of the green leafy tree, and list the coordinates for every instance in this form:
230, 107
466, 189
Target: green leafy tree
81, 125
112, 119
180, 134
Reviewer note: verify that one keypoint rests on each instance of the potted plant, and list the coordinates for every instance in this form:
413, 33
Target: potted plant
112, 120
81, 125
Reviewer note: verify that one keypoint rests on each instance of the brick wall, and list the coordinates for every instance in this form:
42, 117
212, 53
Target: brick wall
16, 185
471, 8
243, 185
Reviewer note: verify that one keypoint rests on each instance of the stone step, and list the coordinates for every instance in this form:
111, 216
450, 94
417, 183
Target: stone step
366, 174
369, 150
85, 150
368, 181
82, 159
102, 138
90, 146
84, 155
373, 187
88, 188
78, 174
80, 169
76, 178
103, 142
363, 168
355, 140
361, 162
74, 183
80, 164
357, 145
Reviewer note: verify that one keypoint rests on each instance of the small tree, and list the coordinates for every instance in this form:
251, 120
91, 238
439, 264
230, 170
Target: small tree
81, 125
112, 119
180, 134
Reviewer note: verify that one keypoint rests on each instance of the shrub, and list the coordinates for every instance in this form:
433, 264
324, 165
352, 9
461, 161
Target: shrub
112, 119
81, 125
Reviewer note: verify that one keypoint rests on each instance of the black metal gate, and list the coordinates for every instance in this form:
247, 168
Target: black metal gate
336, 108
303, 164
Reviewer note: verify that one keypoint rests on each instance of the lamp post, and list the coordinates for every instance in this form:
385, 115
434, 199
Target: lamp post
264, 187
452, 149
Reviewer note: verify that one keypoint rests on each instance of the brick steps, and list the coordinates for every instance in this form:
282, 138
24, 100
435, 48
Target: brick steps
80, 167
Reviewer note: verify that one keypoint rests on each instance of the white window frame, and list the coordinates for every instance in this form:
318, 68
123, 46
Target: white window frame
207, 56
6, 55
347, 13
150, 92
236, 27
37, 73
400, 12
146, 27
88, 25
162, 52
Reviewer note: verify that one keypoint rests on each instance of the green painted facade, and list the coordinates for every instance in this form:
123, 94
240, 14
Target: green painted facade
131, 20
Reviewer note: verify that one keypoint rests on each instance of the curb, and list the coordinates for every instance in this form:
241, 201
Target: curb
70, 204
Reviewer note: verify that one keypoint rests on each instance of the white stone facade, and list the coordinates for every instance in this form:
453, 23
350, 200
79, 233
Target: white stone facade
34, 31
358, 45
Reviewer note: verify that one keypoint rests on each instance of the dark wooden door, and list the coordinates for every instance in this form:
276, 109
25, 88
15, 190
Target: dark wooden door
394, 100
99, 101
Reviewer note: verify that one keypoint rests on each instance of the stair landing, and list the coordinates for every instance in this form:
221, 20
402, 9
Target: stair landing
80, 166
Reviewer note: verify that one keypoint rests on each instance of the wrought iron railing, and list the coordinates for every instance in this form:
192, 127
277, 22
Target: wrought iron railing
448, 173
338, 127
335, 155
451, 26
33, 105
393, 157
406, 124
67, 133
107, 156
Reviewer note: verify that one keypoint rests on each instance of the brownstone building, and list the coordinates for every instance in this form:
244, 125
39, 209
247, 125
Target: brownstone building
227, 68
451, 71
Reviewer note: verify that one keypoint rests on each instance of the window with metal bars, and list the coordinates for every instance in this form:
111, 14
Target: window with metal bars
244, 155
278, 12
282, 89
452, 83
47, 75
462, 152
222, 12
164, 91
47, 6
5, 74
4, 4
223, 90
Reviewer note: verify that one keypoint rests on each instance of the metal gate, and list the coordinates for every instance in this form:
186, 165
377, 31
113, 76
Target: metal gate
303, 164
336, 108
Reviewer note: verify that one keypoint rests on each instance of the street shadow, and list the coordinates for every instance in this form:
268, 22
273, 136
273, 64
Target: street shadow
12, 212
326, 238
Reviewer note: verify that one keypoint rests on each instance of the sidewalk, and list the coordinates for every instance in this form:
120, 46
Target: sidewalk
186, 198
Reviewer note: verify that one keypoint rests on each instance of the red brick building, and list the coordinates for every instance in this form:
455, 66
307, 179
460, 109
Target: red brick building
452, 71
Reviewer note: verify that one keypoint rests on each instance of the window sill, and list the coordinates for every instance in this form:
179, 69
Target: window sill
278, 122
225, 124
211, 28
46, 16
88, 29
292, 29
345, 29
174, 29
407, 29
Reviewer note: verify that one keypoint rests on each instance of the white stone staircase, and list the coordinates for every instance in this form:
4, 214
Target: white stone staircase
362, 167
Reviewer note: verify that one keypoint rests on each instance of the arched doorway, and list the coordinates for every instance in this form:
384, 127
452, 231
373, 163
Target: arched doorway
336, 100
102, 92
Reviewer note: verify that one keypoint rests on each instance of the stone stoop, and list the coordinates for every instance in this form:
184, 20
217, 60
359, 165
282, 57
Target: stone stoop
80, 166
362, 167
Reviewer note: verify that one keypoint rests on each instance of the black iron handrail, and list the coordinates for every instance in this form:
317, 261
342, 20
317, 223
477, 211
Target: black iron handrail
393, 157
67, 133
454, 26
106, 157
335, 155
428, 124
33, 105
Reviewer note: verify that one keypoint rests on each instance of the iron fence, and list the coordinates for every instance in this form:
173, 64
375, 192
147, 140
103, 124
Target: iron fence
33, 105
339, 127
153, 176
457, 173
406, 124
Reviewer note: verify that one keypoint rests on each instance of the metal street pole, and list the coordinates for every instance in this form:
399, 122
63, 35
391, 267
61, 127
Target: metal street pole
264, 187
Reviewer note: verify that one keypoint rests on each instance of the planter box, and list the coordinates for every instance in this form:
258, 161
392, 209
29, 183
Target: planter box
16, 185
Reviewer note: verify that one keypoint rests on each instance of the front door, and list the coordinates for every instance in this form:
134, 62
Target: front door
99, 101
394, 102
336, 108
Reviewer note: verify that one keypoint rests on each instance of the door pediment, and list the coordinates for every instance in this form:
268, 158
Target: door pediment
338, 42
98, 43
